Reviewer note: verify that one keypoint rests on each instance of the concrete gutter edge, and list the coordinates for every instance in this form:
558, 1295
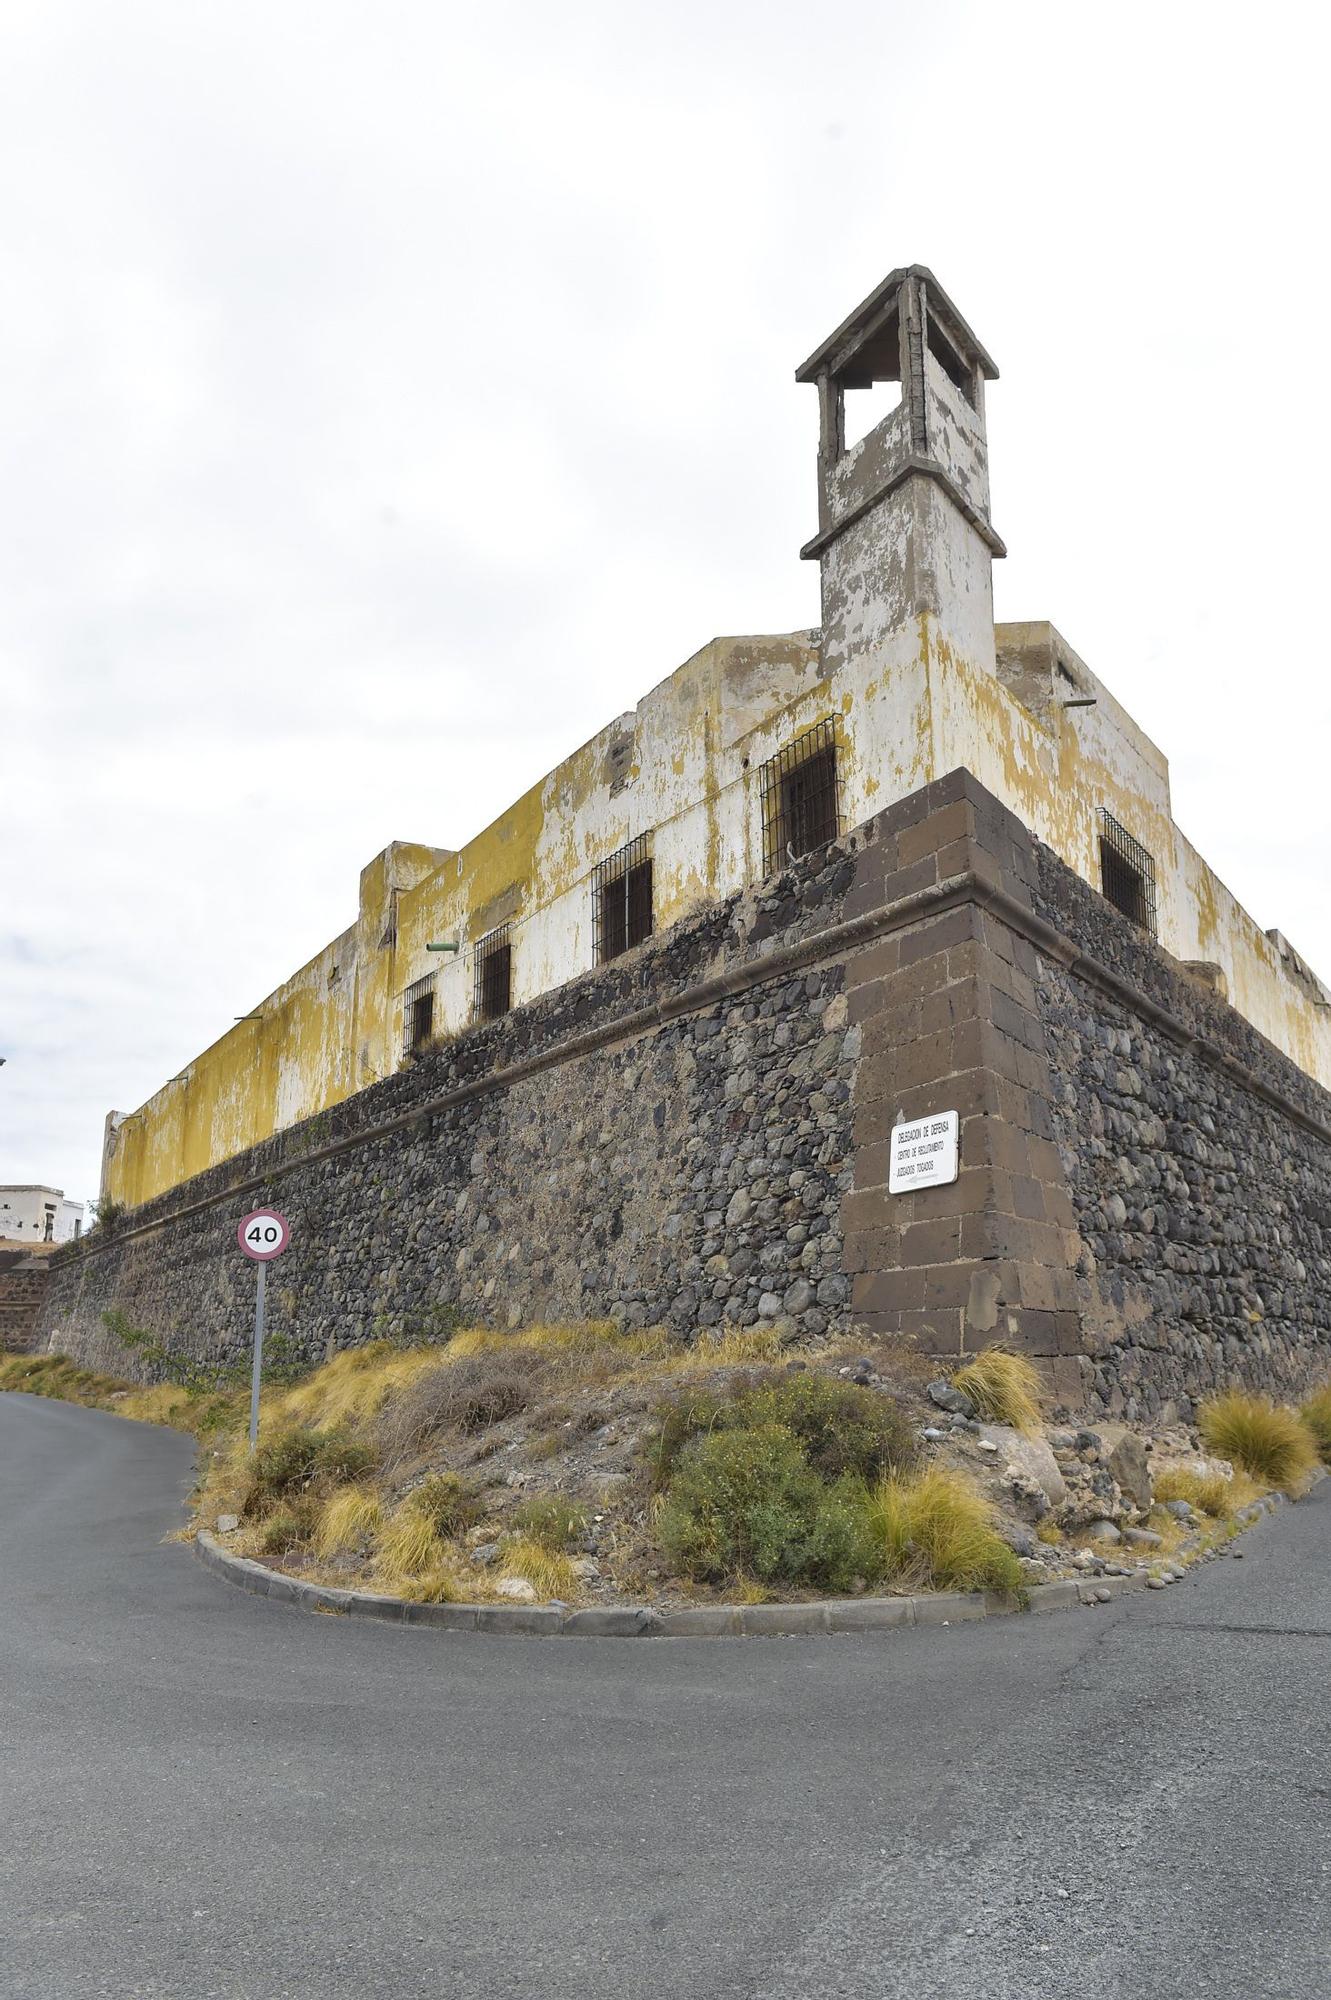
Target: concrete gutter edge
711, 1621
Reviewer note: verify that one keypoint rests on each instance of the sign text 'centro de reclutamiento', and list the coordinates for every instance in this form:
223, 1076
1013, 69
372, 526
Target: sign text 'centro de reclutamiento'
923, 1153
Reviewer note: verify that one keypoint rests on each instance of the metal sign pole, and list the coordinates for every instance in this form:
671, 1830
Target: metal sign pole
258, 1355
262, 1235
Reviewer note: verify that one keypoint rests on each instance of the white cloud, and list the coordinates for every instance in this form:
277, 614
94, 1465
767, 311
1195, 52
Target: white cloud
360, 362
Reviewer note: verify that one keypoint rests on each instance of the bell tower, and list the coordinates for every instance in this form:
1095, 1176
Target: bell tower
904, 538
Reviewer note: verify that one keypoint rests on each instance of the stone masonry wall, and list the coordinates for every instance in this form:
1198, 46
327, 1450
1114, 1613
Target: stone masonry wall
594, 1155
699, 1133
22, 1286
1204, 1208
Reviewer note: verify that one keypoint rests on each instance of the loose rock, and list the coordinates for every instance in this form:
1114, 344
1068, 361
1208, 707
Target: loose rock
941, 1393
517, 1588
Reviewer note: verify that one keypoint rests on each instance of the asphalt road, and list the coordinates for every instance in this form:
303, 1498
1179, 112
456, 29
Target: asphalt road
203, 1794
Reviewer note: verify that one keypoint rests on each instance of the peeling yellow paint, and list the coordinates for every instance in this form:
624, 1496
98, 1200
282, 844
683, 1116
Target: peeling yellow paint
908, 712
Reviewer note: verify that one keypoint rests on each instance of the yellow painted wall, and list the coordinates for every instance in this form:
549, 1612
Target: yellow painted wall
684, 767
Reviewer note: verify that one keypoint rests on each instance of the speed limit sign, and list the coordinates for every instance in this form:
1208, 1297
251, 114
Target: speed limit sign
264, 1235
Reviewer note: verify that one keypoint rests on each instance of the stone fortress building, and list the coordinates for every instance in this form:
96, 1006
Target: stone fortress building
813, 886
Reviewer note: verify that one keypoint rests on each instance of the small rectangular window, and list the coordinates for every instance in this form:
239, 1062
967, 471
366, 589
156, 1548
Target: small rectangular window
622, 900
800, 797
418, 1015
493, 965
1127, 873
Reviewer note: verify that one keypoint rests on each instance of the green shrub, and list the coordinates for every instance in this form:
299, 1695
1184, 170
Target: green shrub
290, 1528
292, 1460
341, 1457
843, 1429
552, 1521
447, 1503
1271, 1442
746, 1502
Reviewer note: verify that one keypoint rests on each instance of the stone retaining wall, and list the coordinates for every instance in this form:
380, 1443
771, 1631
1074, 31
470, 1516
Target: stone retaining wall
1204, 1207
22, 1288
663, 1141
698, 1134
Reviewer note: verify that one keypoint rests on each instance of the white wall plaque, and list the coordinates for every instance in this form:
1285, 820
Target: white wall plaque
923, 1153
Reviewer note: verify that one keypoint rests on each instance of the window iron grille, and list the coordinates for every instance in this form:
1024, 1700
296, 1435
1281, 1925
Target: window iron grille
622, 900
1127, 873
801, 803
418, 1014
492, 965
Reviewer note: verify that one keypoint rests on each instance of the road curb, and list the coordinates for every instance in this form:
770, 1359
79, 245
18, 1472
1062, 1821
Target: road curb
710, 1621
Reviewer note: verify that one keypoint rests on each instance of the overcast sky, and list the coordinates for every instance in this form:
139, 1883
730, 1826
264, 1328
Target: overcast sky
394, 392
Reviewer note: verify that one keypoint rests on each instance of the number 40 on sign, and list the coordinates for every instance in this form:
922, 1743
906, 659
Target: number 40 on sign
262, 1236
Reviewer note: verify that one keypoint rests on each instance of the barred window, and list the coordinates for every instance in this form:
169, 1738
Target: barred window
1127, 873
800, 797
418, 1014
622, 900
493, 966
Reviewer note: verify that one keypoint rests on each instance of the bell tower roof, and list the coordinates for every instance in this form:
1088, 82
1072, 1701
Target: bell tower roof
909, 332
863, 349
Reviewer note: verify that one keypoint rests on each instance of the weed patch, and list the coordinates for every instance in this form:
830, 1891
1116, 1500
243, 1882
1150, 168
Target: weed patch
290, 1529
447, 1502
551, 1520
1208, 1492
549, 1573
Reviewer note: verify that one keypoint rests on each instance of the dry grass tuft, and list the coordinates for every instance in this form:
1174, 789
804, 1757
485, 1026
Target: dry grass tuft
56, 1375
1208, 1492
1003, 1387
469, 1394
549, 1573
352, 1387
348, 1521
409, 1546
1316, 1413
1270, 1441
162, 1405
433, 1586
935, 1532
728, 1347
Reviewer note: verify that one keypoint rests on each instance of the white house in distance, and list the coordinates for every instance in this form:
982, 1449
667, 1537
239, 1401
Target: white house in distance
38, 1215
